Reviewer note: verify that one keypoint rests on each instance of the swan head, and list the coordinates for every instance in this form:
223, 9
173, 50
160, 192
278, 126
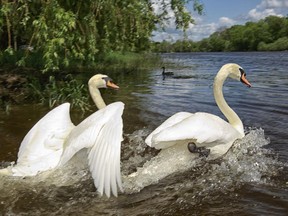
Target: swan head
102, 81
236, 72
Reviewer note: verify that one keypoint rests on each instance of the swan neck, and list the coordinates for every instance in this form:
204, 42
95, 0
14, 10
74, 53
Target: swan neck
227, 111
96, 97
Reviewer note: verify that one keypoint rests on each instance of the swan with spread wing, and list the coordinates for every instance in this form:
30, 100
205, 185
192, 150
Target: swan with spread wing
54, 140
205, 133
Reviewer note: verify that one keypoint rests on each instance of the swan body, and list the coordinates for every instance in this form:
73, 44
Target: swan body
166, 73
54, 140
204, 129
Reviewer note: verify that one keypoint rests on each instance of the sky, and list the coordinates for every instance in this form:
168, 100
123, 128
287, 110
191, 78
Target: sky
219, 14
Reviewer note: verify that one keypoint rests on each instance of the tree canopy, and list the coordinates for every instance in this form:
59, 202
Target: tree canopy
65, 33
269, 34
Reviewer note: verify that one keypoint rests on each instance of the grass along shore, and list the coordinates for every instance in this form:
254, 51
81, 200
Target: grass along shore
20, 85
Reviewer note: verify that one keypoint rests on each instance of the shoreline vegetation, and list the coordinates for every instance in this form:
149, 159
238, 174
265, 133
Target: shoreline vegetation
44, 41
57, 35
25, 85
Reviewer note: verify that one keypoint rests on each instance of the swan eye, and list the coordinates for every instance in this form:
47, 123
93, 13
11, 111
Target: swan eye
106, 79
242, 72
109, 83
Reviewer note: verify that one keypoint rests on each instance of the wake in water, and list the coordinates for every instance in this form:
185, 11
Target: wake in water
247, 161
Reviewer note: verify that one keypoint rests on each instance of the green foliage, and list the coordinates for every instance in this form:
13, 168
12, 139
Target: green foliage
55, 88
128, 61
63, 34
58, 41
278, 45
56, 92
60, 36
269, 34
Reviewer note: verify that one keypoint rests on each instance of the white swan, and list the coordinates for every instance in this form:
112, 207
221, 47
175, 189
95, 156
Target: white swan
207, 131
54, 140
204, 129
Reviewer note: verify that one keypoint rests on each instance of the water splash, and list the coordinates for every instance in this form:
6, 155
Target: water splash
168, 161
135, 152
193, 182
72, 173
246, 161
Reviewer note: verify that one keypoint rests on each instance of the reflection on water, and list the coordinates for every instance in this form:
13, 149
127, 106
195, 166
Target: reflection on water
251, 179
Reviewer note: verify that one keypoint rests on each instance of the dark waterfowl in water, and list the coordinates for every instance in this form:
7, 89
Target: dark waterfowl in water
164, 73
171, 75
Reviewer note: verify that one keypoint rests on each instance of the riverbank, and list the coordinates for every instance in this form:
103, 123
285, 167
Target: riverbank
24, 85
13, 88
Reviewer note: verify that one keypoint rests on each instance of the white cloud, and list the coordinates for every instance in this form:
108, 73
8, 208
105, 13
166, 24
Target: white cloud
268, 8
198, 32
273, 4
195, 32
255, 15
225, 21
202, 30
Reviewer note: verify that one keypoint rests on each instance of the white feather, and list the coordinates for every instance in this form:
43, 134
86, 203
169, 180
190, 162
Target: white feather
178, 117
37, 153
204, 129
101, 133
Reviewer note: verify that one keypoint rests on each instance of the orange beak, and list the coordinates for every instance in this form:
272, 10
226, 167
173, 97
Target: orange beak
112, 85
244, 80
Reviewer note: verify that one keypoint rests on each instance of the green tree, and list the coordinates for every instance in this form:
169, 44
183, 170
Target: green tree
67, 33
275, 26
266, 34
216, 42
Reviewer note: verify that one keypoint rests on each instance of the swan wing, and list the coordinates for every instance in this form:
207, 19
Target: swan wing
41, 148
104, 157
202, 128
101, 133
178, 117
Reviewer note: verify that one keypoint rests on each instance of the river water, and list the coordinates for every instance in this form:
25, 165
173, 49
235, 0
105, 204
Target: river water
251, 179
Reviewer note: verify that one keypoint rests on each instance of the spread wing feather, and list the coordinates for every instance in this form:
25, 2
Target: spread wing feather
41, 148
104, 157
101, 133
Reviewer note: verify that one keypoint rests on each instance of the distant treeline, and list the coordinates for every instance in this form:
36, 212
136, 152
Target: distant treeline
269, 34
